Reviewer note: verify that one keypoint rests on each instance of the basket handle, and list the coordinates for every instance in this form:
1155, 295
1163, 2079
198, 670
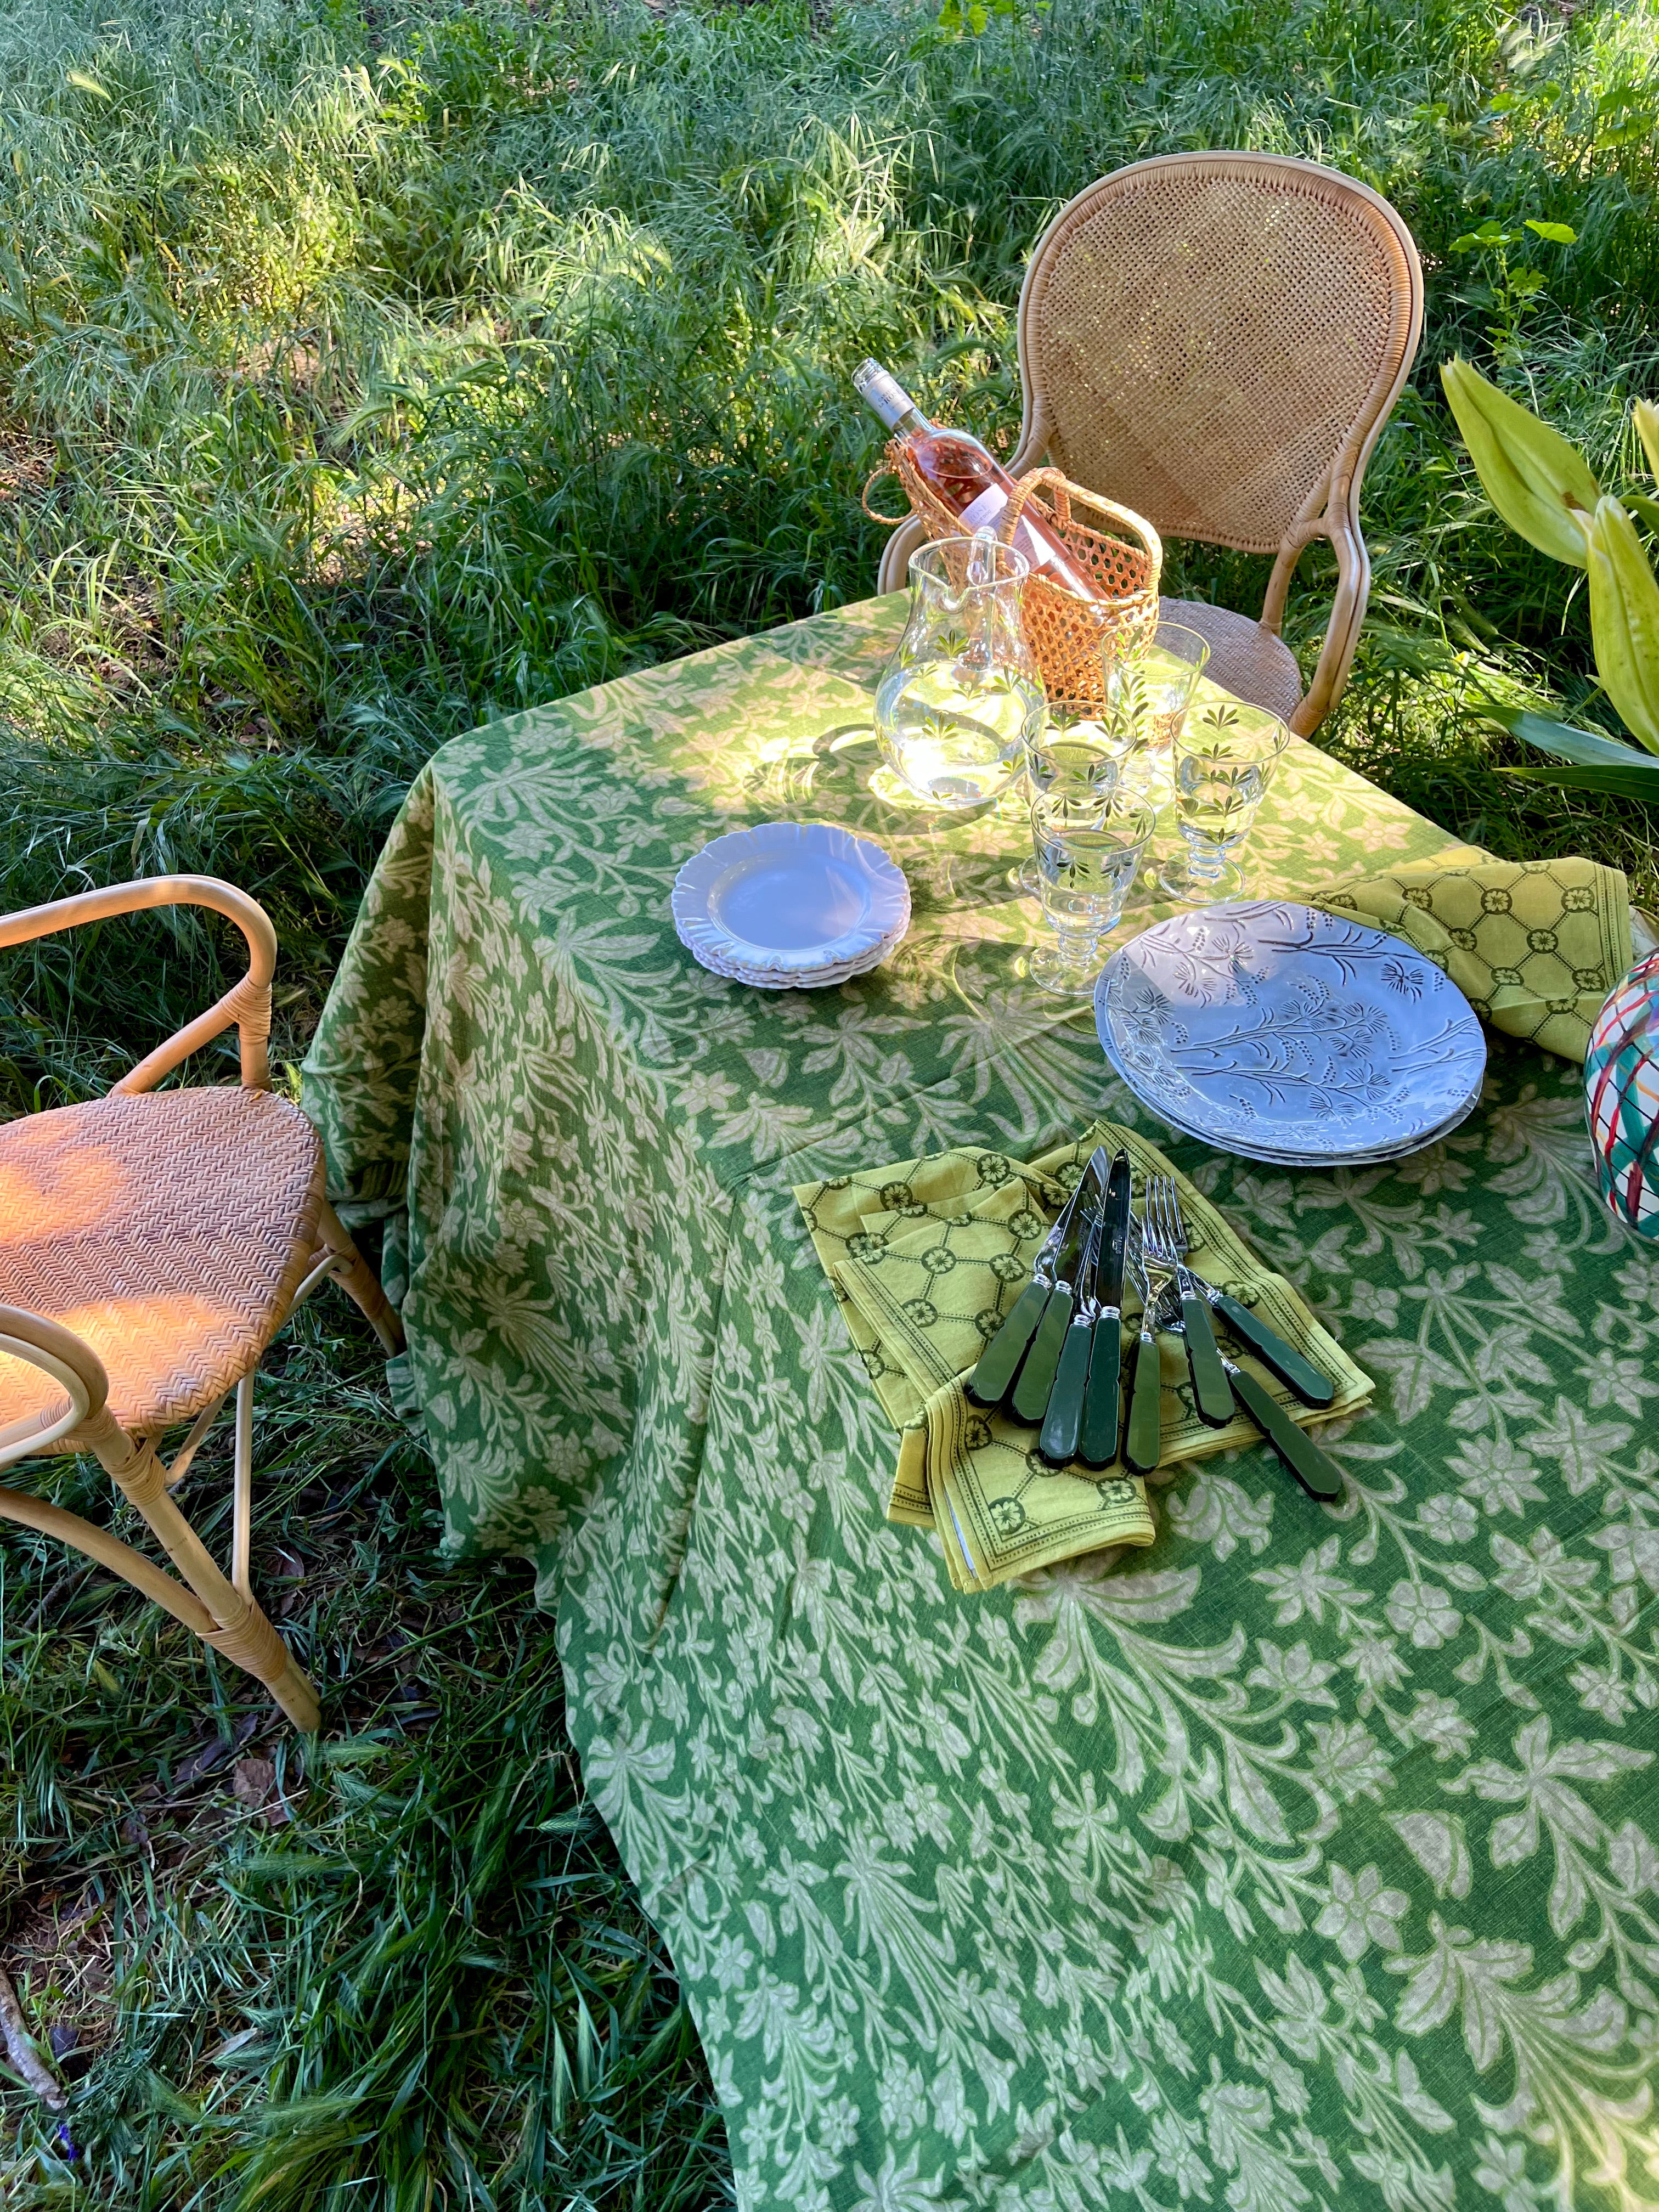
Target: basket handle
1062, 491
887, 521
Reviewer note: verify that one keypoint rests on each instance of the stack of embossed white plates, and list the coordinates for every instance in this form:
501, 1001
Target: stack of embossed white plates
1288, 1034
791, 906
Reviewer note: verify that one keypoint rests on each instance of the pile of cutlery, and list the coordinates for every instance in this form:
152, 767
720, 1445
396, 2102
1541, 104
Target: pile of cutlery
1057, 1362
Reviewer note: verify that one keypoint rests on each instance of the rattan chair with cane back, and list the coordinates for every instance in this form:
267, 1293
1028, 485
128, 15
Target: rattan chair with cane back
152, 1243
1215, 341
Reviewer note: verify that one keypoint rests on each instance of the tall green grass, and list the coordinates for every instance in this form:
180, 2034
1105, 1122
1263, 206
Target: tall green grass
364, 370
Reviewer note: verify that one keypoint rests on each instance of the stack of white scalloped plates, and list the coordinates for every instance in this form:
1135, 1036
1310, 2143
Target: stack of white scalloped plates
791, 906
1289, 1034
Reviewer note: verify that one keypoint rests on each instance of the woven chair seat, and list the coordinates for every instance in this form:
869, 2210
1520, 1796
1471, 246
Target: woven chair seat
168, 1229
1245, 660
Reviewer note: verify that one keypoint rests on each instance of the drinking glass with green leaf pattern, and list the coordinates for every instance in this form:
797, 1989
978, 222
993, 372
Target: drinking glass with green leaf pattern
1225, 756
1088, 856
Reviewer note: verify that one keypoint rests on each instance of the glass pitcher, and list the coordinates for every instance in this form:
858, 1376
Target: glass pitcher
962, 698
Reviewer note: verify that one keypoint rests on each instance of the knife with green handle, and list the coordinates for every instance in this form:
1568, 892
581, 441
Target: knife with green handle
991, 1380
1062, 1421
1037, 1376
1098, 1441
1098, 1444
1142, 1443
989, 1386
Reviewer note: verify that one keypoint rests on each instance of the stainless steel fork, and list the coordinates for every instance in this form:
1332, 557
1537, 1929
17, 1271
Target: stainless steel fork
1167, 1247
1143, 1428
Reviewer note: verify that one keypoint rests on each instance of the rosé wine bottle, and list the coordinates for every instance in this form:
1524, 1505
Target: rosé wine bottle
969, 480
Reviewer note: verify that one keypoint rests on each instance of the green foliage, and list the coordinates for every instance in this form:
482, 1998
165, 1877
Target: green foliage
362, 375
1539, 484
366, 369
1515, 291
1594, 762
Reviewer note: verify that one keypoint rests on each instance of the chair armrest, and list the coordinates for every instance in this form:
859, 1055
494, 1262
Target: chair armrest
247, 1004
1340, 522
70, 1362
1353, 585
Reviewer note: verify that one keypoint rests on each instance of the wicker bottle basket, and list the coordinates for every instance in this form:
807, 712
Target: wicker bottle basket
1074, 640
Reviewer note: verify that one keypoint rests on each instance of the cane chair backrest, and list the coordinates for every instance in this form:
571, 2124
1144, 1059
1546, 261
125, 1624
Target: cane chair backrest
1216, 339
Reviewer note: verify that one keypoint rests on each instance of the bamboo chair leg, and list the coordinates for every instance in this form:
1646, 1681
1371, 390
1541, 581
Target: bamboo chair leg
108, 1552
358, 1280
241, 1540
241, 1631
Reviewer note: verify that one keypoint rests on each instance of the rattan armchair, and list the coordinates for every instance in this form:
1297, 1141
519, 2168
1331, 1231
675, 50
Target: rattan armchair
151, 1246
1216, 341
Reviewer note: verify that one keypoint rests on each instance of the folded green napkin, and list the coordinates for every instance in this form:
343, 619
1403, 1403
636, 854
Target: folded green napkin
925, 1258
1535, 945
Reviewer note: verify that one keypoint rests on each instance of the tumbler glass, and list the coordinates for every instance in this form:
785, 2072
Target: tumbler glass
1224, 759
1087, 857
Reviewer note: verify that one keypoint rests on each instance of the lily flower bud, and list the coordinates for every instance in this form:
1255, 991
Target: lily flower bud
1538, 482
1624, 607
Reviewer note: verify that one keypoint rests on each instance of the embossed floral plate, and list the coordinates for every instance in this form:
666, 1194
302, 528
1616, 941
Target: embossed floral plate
1328, 1163
1275, 1031
789, 905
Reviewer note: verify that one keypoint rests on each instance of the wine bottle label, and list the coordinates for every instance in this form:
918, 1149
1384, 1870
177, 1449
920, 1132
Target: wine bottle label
983, 512
882, 392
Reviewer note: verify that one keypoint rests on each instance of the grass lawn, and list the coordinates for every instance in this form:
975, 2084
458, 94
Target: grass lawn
366, 370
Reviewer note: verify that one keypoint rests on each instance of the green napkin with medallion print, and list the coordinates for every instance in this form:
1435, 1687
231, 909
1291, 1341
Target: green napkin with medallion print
1534, 945
926, 1257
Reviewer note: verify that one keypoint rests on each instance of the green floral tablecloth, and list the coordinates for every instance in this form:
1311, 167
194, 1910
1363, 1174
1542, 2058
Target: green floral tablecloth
1306, 1858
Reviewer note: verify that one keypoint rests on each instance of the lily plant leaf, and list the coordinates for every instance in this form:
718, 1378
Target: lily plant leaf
1645, 416
1588, 759
1588, 748
1638, 780
1624, 611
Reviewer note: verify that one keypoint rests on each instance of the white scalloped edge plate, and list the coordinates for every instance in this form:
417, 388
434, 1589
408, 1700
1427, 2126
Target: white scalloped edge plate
805, 979
787, 901
815, 979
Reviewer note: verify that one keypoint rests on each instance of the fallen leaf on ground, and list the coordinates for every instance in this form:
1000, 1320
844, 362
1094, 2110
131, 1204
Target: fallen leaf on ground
254, 1784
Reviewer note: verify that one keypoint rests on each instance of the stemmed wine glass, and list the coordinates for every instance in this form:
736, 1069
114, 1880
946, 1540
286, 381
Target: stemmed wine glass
1088, 853
1153, 685
1224, 759
1085, 749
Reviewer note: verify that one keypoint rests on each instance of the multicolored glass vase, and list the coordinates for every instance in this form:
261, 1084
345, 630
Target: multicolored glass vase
1621, 1098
